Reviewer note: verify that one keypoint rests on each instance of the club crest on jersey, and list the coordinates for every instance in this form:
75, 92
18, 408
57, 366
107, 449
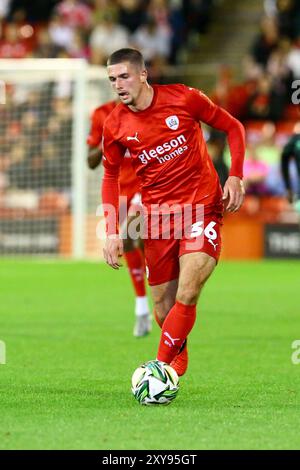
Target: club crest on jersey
172, 122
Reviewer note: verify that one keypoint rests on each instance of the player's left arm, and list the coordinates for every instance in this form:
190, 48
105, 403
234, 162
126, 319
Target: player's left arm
203, 109
233, 193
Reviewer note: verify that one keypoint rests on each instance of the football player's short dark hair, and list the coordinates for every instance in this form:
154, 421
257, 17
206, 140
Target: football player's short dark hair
133, 56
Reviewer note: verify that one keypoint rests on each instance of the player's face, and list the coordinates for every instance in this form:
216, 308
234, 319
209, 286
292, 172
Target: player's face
127, 81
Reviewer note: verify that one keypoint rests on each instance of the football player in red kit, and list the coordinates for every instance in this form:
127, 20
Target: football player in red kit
129, 187
160, 125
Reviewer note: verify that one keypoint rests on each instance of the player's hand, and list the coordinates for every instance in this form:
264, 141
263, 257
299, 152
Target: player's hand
233, 194
112, 251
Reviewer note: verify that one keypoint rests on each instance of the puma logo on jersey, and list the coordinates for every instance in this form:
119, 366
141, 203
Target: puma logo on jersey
213, 244
171, 339
134, 138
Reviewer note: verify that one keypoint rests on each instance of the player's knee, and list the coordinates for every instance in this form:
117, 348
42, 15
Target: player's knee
188, 293
188, 296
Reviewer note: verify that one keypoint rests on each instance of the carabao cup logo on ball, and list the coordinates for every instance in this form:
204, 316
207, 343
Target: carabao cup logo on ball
172, 122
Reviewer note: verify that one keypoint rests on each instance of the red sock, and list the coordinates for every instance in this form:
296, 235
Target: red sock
176, 327
135, 266
158, 321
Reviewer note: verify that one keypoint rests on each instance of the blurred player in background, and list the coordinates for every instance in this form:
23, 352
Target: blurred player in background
160, 126
129, 187
291, 151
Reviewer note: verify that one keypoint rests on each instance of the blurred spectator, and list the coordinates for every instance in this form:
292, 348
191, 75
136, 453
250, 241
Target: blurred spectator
45, 47
107, 37
270, 7
265, 102
131, 14
157, 29
291, 151
158, 10
293, 58
4, 8
101, 8
232, 96
255, 173
266, 147
35, 138
79, 49
279, 69
269, 153
12, 46
266, 41
19, 167
74, 13
178, 29
287, 13
152, 40
3, 187
60, 32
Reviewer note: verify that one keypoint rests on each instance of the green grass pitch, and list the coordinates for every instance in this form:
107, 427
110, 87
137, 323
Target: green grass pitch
67, 327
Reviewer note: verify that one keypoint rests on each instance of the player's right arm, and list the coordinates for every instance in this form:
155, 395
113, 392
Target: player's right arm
113, 153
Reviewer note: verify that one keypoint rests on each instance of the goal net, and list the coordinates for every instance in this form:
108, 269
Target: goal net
48, 196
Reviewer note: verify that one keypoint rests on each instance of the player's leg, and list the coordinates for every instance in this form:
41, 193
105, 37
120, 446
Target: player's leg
164, 298
162, 270
195, 269
180, 361
136, 268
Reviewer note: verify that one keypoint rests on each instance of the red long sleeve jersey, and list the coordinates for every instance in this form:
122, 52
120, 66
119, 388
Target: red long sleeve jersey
128, 181
167, 147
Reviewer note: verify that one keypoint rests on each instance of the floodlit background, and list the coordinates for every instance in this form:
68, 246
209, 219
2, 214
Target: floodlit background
67, 351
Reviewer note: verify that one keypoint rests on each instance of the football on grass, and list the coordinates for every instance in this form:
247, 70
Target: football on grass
155, 383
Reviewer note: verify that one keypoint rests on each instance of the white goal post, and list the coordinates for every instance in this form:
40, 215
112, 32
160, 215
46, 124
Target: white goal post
48, 197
